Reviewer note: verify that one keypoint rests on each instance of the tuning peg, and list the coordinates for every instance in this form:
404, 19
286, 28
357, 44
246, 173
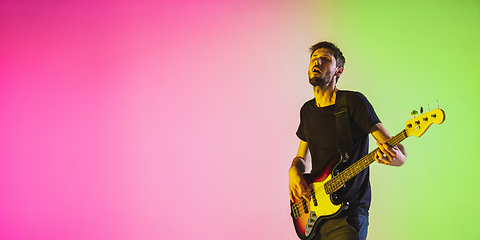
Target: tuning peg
421, 110
414, 113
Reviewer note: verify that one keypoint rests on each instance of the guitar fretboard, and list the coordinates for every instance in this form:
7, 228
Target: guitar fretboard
337, 181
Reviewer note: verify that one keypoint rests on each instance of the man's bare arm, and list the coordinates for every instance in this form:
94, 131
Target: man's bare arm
296, 183
393, 156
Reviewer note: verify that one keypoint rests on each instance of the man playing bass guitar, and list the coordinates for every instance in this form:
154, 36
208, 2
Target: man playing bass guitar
320, 133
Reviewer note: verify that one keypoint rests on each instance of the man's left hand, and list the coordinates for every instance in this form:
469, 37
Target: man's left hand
389, 155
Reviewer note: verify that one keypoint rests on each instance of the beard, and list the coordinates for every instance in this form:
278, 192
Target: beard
318, 81
321, 80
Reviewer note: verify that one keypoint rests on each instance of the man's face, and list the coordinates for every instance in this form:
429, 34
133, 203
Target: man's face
322, 68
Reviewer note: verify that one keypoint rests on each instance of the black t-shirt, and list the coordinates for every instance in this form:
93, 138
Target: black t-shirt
318, 128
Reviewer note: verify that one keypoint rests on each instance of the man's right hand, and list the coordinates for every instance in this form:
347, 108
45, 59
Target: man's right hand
298, 187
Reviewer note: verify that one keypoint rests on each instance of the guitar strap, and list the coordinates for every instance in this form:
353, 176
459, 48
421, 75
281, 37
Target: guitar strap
344, 136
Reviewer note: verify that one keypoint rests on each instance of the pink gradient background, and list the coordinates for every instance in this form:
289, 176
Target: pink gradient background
140, 119
147, 119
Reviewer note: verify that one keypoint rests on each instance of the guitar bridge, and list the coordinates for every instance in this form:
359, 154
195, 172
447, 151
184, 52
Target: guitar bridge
311, 222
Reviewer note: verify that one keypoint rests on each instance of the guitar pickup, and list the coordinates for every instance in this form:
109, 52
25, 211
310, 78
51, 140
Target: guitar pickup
296, 212
305, 205
314, 199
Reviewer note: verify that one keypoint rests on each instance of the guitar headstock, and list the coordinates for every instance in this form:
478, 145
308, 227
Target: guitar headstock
419, 125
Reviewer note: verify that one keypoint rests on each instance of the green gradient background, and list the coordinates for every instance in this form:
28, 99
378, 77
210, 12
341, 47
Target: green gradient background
410, 54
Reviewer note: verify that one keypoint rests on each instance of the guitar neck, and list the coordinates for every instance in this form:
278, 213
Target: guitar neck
337, 181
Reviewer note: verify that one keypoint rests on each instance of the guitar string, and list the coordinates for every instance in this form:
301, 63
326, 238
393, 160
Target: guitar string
350, 172
363, 161
326, 185
392, 142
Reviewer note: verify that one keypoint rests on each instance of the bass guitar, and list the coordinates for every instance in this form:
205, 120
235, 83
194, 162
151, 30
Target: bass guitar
318, 203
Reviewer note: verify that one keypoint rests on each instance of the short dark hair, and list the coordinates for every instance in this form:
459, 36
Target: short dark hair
336, 51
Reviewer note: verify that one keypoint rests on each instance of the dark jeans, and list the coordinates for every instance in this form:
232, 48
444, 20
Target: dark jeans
351, 227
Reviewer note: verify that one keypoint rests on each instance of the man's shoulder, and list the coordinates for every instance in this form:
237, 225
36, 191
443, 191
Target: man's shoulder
357, 99
309, 103
353, 94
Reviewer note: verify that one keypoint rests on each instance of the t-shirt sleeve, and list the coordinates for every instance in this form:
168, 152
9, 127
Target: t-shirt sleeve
300, 130
363, 113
